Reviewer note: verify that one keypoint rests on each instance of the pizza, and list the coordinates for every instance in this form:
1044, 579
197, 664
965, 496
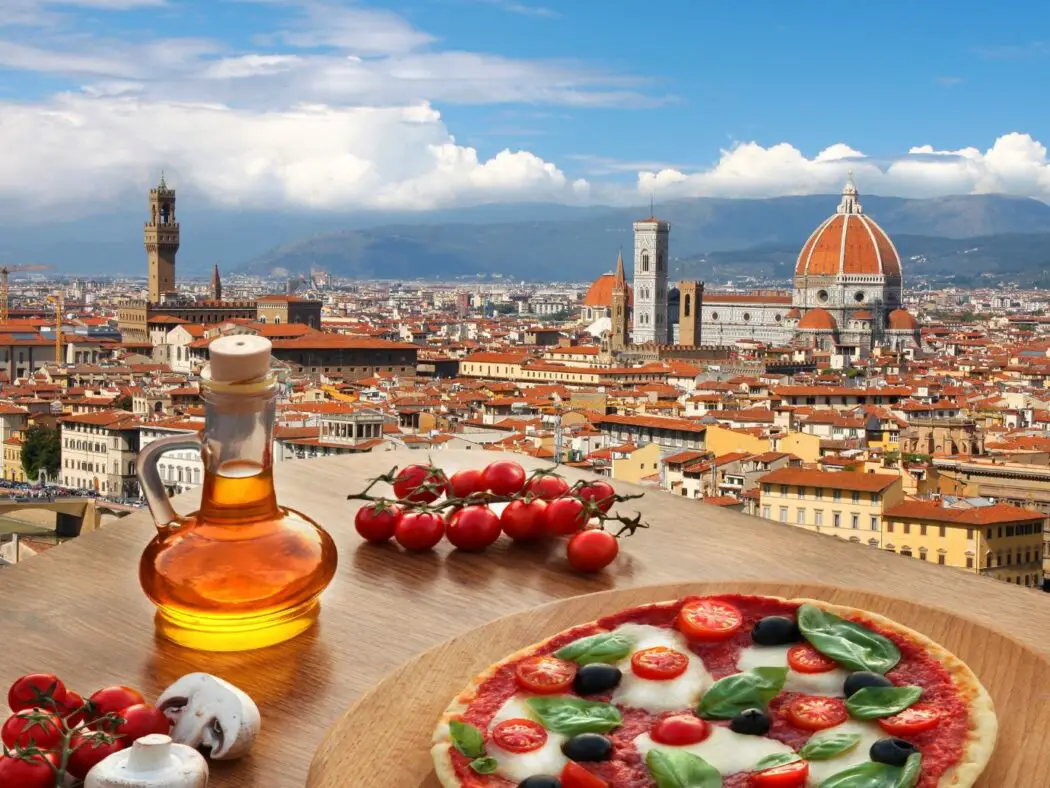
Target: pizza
729, 690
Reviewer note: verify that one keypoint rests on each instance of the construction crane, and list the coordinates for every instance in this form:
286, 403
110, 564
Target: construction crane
58, 301
10, 269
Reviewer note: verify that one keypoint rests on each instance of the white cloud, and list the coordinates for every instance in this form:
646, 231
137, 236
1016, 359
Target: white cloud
1016, 164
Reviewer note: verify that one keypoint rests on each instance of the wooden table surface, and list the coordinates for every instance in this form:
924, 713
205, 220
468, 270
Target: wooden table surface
78, 610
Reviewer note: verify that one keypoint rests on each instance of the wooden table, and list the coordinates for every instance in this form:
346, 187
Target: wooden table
78, 610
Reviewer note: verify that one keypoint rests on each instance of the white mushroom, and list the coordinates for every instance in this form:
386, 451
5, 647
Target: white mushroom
210, 714
151, 762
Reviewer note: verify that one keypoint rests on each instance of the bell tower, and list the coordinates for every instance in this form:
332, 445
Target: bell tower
162, 241
690, 308
620, 309
650, 281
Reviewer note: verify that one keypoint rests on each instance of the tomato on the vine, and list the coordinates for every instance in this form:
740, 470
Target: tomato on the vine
28, 727
89, 748
36, 771
519, 735
114, 699
36, 689
787, 775
601, 493
377, 522
592, 551
813, 713
523, 521
420, 484
503, 477
72, 703
466, 482
547, 486
472, 528
141, 720
419, 531
565, 516
576, 776
709, 619
545, 675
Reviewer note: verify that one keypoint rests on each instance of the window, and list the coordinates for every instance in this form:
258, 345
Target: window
943, 531
969, 562
922, 530
765, 510
906, 551
940, 559
819, 493
874, 523
818, 517
907, 528
837, 496
922, 554
802, 492
875, 497
855, 520
783, 514
969, 534
783, 489
856, 497
836, 519
889, 527
800, 516
645, 260
688, 303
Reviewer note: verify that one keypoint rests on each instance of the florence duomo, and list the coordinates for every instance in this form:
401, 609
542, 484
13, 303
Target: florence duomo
846, 299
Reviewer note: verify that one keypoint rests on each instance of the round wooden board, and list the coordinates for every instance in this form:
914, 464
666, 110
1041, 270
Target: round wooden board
384, 739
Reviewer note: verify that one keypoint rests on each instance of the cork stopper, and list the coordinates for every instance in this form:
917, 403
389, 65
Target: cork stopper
238, 358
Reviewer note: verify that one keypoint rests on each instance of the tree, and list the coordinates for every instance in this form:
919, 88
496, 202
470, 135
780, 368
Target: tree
123, 402
41, 451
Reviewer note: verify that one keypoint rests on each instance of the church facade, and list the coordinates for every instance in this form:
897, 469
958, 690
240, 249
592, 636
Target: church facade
846, 297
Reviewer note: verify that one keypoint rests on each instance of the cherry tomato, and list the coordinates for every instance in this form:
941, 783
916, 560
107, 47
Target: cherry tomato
659, 663
32, 726
473, 528
419, 530
680, 730
788, 775
141, 720
377, 522
600, 492
564, 516
464, 483
519, 735
91, 747
803, 658
32, 773
545, 675
709, 619
592, 551
813, 713
36, 689
523, 521
114, 699
914, 720
72, 703
503, 478
420, 484
576, 776
548, 487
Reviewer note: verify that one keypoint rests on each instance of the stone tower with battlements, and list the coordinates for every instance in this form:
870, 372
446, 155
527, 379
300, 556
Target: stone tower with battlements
690, 309
162, 241
650, 281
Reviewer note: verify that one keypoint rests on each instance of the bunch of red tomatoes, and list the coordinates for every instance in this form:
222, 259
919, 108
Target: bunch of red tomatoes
535, 507
53, 730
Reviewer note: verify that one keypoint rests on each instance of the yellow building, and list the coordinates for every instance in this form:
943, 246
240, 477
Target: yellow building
633, 467
721, 440
999, 540
803, 445
841, 503
13, 471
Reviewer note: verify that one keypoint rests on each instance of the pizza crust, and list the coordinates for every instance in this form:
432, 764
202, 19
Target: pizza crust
977, 750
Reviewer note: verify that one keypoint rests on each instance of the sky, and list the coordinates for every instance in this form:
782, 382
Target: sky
335, 105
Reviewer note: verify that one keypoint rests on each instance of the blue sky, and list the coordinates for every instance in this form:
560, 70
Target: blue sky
332, 104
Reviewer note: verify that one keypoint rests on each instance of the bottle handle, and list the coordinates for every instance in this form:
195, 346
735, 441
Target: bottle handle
164, 514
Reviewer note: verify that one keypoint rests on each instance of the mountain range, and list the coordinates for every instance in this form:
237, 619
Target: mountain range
967, 239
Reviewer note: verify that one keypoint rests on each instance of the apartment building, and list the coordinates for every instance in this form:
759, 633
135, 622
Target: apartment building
99, 451
841, 503
180, 470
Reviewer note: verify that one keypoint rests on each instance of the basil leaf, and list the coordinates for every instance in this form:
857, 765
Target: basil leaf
680, 769
850, 644
873, 702
828, 744
777, 759
866, 775
467, 739
603, 647
729, 696
910, 774
484, 765
575, 715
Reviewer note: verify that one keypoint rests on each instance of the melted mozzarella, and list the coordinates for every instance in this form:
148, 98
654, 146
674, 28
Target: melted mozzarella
828, 684
516, 766
870, 732
725, 750
682, 692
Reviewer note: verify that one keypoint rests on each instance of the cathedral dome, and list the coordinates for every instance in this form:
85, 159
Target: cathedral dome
901, 320
817, 320
849, 242
599, 295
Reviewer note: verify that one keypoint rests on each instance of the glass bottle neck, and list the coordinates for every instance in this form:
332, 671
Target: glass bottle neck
237, 446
